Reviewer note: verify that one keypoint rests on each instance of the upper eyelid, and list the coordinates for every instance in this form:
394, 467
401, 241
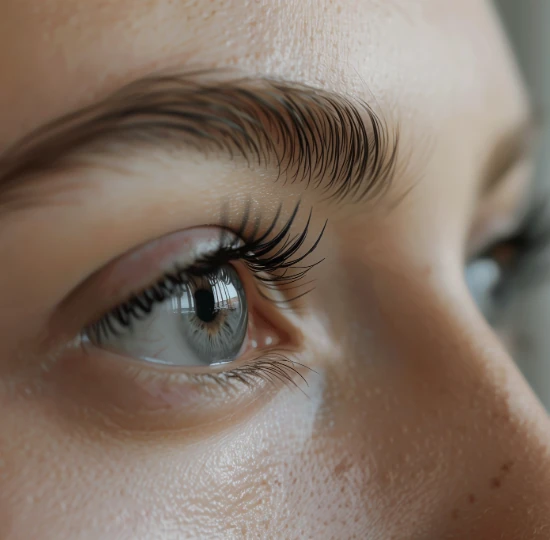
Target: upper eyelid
333, 143
231, 237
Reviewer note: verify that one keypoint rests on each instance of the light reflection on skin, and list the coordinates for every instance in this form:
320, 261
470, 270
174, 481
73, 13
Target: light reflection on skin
415, 422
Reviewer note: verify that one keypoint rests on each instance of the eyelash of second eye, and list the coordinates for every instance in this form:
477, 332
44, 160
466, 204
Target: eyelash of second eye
531, 242
272, 259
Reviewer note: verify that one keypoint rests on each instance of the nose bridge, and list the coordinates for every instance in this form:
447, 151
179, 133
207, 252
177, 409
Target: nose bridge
487, 429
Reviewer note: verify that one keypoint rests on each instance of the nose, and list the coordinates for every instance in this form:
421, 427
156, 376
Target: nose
465, 448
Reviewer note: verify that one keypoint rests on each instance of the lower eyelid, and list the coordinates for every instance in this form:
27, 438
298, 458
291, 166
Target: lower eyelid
189, 396
125, 395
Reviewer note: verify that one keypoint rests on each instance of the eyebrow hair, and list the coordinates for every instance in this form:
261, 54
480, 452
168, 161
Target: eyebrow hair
331, 142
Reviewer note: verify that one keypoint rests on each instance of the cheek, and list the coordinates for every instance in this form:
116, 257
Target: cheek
55, 481
244, 478
299, 468
269, 477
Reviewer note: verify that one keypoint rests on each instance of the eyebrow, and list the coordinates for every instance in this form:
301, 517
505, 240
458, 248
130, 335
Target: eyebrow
333, 143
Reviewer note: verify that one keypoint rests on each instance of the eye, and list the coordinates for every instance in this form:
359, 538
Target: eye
194, 320
217, 303
512, 264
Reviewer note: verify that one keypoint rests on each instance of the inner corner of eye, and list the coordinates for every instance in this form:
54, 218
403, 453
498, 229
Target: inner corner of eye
262, 338
267, 327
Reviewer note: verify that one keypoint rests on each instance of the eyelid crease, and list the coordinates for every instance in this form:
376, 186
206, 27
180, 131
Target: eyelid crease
337, 145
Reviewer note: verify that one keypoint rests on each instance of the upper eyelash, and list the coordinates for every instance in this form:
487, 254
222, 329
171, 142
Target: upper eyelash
532, 234
273, 261
531, 241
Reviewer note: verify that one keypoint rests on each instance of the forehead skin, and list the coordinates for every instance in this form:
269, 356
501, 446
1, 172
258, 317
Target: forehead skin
419, 56
441, 70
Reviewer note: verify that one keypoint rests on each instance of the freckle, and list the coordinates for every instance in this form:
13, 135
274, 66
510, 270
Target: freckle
507, 466
342, 467
471, 498
495, 483
455, 514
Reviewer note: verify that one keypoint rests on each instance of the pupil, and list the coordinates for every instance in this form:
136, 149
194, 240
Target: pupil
205, 305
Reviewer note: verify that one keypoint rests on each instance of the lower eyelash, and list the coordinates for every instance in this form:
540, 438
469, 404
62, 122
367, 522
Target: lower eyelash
274, 368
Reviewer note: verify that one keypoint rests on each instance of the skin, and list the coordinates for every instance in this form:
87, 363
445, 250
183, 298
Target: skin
416, 424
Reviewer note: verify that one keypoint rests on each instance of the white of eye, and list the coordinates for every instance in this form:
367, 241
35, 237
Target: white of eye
482, 276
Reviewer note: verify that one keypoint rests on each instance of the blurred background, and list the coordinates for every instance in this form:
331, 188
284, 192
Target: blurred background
528, 25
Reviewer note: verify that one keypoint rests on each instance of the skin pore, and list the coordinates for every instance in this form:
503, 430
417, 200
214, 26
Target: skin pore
411, 420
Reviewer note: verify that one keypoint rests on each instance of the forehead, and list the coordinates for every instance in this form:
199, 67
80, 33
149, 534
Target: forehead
414, 58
